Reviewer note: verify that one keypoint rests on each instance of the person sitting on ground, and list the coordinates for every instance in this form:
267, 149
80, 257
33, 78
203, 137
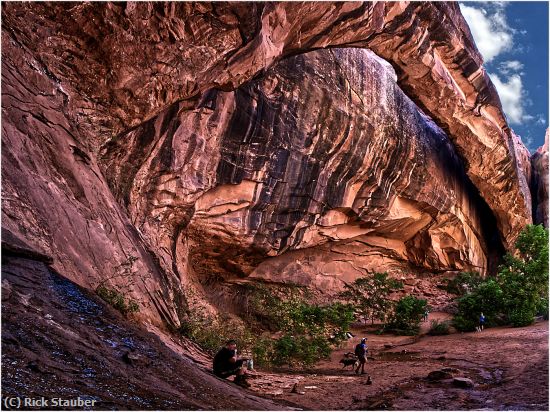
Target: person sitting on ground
361, 353
226, 364
481, 322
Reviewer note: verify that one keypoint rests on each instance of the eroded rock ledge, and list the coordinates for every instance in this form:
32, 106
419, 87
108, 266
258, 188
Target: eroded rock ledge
90, 51
323, 154
77, 78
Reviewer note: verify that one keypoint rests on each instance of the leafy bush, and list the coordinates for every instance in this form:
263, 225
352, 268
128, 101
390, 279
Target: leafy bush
519, 291
370, 295
486, 298
117, 300
307, 331
542, 308
463, 283
407, 315
263, 351
301, 350
439, 328
524, 276
522, 315
211, 332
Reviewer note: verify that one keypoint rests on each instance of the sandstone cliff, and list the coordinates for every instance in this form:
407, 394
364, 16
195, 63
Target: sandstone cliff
322, 164
540, 183
160, 146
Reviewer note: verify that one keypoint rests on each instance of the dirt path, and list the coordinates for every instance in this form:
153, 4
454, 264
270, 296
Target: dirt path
508, 366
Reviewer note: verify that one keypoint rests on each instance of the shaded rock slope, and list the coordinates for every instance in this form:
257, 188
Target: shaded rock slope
172, 150
60, 341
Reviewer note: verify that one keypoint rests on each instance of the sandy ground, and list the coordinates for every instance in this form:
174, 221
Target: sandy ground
509, 368
59, 340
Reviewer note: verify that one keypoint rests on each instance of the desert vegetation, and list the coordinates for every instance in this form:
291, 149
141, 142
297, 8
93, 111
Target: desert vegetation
517, 294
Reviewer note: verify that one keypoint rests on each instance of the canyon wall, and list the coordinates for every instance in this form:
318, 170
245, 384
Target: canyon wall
540, 183
316, 173
163, 147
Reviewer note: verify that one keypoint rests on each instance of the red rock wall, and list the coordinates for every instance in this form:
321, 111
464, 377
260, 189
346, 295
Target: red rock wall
76, 78
540, 183
187, 48
322, 154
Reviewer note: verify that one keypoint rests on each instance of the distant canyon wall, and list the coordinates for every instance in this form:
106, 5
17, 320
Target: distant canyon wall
540, 183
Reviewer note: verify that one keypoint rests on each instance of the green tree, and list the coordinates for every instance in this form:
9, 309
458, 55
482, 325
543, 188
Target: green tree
519, 291
524, 276
307, 331
407, 315
486, 298
370, 295
463, 283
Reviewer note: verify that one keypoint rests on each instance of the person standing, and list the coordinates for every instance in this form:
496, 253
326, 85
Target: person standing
481, 321
361, 353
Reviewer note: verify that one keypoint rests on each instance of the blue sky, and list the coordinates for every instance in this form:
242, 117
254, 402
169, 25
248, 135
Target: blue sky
513, 40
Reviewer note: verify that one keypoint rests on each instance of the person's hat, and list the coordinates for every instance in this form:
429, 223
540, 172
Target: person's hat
363, 340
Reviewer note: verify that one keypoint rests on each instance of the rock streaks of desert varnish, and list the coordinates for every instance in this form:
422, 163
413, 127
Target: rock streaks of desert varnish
132, 132
324, 156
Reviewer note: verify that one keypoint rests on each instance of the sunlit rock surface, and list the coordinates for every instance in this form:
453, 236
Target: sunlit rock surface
320, 171
540, 183
119, 64
105, 172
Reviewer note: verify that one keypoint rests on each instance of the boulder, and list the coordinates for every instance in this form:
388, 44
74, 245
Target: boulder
439, 375
463, 382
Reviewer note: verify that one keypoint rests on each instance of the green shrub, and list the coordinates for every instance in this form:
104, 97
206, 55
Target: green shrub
486, 298
519, 291
299, 350
308, 331
524, 276
263, 351
542, 308
468, 311
463, 283
522, 316
407, 316
439, 328
211, 332
370, 295
117, 300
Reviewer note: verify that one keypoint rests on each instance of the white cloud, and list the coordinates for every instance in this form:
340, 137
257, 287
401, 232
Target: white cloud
509, 66
490, 30
494, 36
512, 97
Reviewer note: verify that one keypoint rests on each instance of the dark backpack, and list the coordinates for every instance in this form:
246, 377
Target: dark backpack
359, 350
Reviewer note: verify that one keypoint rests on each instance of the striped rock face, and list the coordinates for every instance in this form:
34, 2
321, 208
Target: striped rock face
317, 172
539, 162
162, 147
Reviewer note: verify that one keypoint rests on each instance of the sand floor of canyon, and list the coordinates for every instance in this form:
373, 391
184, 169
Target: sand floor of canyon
508, 366
59, 340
